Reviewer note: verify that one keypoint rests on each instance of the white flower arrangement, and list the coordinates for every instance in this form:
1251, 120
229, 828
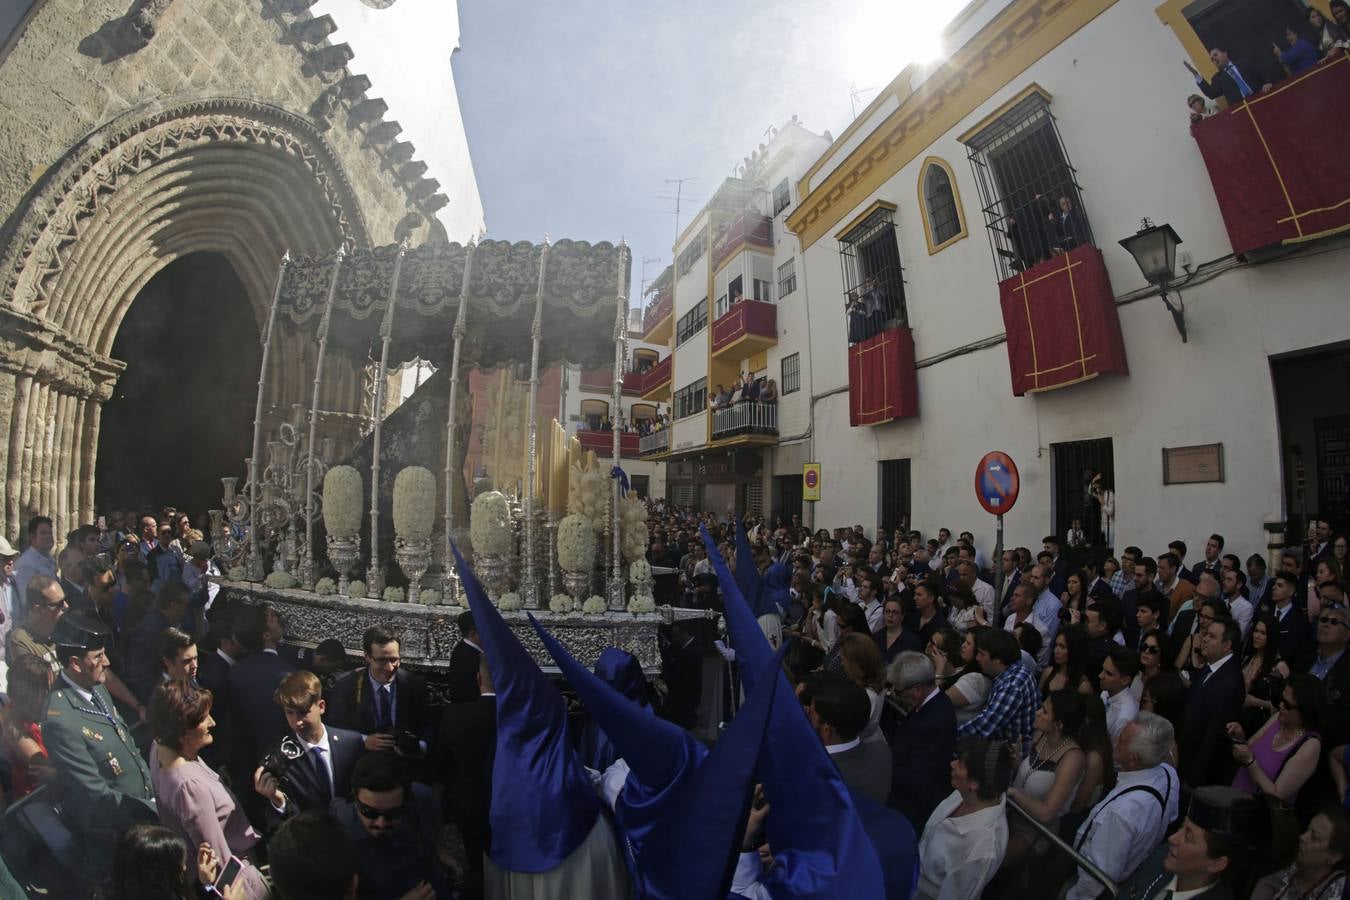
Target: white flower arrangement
393, 594
414, 503
594, 605
356, 589
325, 587
633, 527
237, 573
430, 597
490, 524
642, 603
509, 602
576, 544
561, 603
281, 581
342, 496
640, 572
589, 494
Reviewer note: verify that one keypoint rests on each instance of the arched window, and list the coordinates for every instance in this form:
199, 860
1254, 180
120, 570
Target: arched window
943, 222
594, 414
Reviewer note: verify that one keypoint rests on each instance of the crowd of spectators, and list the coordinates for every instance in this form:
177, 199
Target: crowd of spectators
744, 389
994, 703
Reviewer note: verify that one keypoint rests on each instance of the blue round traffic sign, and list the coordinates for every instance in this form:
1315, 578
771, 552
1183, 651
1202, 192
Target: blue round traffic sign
997, 482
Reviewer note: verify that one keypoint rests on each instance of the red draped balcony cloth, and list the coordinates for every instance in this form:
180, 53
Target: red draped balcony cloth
1278, 161
1061, 321
882, 381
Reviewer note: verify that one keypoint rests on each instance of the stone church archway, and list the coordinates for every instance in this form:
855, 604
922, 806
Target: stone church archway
235, 178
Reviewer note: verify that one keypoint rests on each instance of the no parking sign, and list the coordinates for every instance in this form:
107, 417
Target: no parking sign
996, 482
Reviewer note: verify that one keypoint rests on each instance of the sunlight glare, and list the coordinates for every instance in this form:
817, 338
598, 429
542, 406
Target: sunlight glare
884, 36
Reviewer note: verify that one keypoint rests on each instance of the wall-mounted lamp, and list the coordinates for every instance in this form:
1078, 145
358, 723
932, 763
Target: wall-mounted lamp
1154, 248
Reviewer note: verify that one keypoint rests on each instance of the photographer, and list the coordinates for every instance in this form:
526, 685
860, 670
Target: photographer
313, 764
386, 704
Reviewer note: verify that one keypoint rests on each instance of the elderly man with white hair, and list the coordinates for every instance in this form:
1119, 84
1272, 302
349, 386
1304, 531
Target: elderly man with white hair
1129, 822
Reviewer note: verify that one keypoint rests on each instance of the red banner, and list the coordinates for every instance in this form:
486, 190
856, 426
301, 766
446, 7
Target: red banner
1061, 322
882, 381
1278, 161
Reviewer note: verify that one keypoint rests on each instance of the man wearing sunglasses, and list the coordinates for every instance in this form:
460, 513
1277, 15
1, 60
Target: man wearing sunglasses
391, 835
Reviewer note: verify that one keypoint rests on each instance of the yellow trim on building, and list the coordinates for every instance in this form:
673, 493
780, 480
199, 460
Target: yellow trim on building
924, 213
1018, 37
1031, 90
862, 217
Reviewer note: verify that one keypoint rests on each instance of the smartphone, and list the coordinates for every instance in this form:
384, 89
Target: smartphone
228, 874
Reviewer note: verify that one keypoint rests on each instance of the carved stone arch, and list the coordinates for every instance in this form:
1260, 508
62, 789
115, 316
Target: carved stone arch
237, 177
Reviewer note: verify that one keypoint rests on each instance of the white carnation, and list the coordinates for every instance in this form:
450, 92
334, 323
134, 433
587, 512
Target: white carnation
561, 603
490, 524
509, 602
640, 572
325, 587
414, 503
594, 605
633, 527
281, 581
394, 594
589, 494
576, 544
342, 496
356, 589
430, 597
642, 603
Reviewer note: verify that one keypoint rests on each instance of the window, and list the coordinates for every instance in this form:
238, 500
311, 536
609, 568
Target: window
693, 253
943, 222
691, 399
895, 494
692, 322
787, 278
1032, 205
1072, 462
782, 196
792, 373
873, 280
761, 291
1244, 28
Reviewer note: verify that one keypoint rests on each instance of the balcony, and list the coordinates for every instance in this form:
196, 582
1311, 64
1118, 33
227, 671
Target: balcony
756, 422
655, 382
602, 442
659, 318
750, 228
1277, 160
654, 443
744, 330
883, 383
601, 381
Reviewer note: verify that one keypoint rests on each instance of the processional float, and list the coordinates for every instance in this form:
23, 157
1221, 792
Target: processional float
312, 511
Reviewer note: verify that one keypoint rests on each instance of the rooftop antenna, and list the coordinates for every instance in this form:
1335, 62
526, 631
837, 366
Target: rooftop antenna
854, 93
645, 261
679, 190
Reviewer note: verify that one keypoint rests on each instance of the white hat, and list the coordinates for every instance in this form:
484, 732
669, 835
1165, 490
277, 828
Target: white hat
6, 549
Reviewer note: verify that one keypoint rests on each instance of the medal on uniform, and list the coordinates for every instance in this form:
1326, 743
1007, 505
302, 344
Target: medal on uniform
114, 765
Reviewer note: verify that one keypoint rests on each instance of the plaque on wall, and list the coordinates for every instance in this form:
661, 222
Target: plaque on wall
1193, 465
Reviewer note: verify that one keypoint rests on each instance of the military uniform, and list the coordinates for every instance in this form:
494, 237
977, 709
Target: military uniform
103, 779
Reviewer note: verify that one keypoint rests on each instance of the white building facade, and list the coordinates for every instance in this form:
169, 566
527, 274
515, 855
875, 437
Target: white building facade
1242, 425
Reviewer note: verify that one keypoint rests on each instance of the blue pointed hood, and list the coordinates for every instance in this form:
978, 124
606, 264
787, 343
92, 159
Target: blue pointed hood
772, 597
747, 572
660, 755
820, 846
542, 805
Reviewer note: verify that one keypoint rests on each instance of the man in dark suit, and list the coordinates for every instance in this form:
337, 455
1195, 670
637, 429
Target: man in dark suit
324, 770
381, 700
463, 674
1232, 82
1213, 700
923, 742
839, 710
142, 647
1295, 632
1011, 576
213, 668
258, 723
466, 745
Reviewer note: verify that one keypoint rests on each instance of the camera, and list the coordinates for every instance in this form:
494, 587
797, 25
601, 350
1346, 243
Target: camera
278, 762
407, 744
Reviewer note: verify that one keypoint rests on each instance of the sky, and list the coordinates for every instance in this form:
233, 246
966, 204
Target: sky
577, 118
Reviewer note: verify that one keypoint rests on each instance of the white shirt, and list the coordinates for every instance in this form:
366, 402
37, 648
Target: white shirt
30, 563
229, 660
1125, 826
984, 592
1242, 611
1120, 711
959, 856
846, 746
873, 612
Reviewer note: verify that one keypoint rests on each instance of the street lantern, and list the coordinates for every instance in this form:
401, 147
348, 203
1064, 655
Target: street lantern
1154, 248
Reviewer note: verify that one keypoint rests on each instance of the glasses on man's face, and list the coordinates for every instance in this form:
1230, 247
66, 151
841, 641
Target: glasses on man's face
59, 604
391, 814
1331, 620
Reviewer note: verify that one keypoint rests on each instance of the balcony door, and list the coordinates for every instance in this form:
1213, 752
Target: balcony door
1075, 462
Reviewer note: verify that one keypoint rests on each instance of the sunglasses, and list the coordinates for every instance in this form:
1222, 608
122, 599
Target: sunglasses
1150, 648
392, 814
1330, 620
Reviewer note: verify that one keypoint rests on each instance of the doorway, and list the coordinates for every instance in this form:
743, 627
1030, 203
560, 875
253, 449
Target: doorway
1075, 463
1312, 397
181, 416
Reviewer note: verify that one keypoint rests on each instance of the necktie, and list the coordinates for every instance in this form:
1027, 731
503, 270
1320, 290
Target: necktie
1204, 674
1243, 87
321, 773
384, 722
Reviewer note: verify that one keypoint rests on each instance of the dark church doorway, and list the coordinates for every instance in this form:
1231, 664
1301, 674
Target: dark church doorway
181, 416
1312, 394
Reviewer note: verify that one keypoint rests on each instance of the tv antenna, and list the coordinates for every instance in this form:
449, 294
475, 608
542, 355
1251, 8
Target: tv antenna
679, 191
645, 261
854, 92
